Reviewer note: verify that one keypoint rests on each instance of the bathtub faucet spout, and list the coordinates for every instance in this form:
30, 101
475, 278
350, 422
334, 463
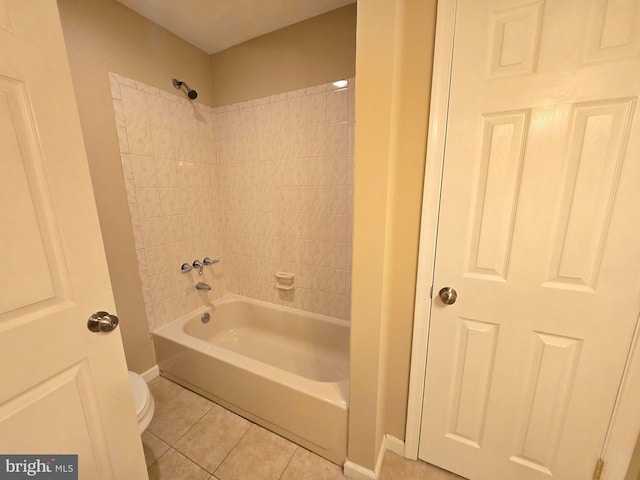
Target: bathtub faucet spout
203, 286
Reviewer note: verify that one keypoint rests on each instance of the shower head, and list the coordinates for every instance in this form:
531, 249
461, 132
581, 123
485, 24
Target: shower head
192, 94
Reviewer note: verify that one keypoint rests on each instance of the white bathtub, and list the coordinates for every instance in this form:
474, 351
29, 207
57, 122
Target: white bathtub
284, 369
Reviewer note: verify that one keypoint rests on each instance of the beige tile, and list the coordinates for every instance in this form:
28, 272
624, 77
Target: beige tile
144, 170
259, 455
148, 203
178, 415
153, 447
164, 312
317, 140
172, 465
162, 142
279, 115
337, 105
123, 139
297, 112
307, 466
337, 139
395, 467
115, 86
316, 89
317, 109
130, 188
211, 439
161, 286
166, 173
139, 137
163, 390
337, 200
181, 146
337, 170
134, 105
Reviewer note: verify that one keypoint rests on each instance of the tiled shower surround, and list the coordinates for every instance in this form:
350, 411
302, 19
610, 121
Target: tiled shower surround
265, 186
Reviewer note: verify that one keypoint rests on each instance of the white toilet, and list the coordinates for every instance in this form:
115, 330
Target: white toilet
145, 405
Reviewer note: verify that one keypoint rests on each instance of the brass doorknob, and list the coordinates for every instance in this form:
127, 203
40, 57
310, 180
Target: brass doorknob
448, 295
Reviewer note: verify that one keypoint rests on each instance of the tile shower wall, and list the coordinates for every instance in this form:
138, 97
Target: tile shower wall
286, 181
264, 185
168, 147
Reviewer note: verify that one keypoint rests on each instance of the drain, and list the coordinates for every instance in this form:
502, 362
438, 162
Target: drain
205, 317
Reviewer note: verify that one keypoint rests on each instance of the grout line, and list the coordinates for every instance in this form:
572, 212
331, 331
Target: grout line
158, 407
290, 460
160, 440
237, 443
172, 446
158, 459
192, 459
196, 422
184, 454
178, 452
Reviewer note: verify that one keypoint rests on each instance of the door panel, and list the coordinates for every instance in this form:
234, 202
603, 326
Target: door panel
475, 352
496, 202
66, 404
25, 280
539, 234
64, 390
597, 139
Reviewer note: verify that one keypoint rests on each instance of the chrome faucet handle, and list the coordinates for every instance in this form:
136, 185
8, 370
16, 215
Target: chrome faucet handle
208, 261
185, 267
198, 264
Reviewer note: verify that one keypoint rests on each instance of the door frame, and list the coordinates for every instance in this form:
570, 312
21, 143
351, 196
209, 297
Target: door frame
625, 421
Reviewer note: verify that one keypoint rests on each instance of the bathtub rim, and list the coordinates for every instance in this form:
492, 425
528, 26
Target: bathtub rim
333, 392
230, 297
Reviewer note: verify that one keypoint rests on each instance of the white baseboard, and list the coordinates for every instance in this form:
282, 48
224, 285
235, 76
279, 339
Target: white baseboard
150, 374
358, 472
394, 444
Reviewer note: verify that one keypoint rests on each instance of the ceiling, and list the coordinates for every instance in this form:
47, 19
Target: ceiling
214, 25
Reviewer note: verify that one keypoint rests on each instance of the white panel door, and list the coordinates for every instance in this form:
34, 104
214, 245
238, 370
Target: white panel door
63, 389
539, 234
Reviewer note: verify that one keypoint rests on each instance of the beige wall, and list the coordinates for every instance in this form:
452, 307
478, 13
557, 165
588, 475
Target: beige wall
415, 68
376, 38
634, 467
394, 57
103, 36
315, 51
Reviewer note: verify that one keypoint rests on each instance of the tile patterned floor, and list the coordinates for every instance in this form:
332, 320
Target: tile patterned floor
394, 467
192, 438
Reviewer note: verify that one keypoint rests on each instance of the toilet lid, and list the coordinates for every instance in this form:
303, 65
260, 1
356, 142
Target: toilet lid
140, 392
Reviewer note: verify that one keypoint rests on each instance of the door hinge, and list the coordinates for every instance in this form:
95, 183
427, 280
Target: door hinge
597, 473
431, 292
